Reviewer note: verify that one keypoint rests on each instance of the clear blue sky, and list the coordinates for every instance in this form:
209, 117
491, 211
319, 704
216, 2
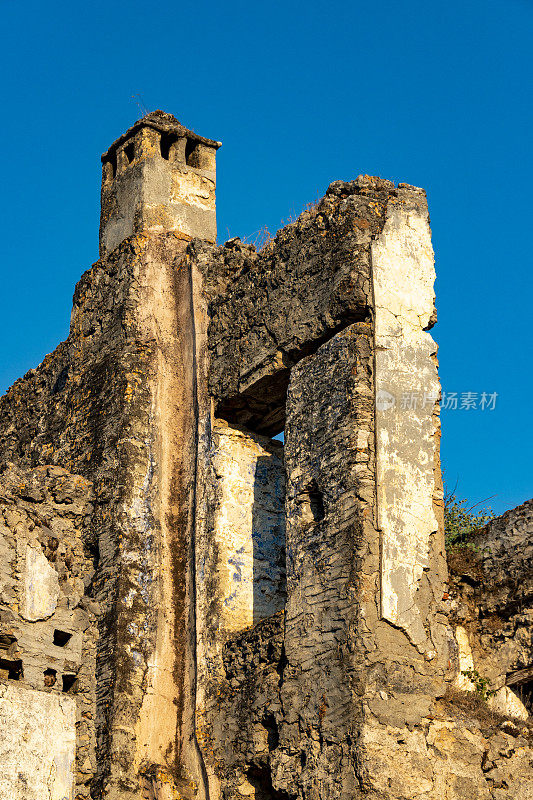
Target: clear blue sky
434, 94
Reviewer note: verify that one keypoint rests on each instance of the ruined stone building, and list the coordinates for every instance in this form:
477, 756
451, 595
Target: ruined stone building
192, 608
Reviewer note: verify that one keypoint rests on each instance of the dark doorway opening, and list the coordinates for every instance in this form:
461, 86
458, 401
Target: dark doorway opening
261, 779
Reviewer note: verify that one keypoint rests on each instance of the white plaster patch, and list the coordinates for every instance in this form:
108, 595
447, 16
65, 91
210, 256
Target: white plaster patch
38, 744
407, 387
249, 528
466, 660
506, 702
41, 586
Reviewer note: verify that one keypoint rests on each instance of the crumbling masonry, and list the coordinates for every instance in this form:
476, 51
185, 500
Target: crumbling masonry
191, 608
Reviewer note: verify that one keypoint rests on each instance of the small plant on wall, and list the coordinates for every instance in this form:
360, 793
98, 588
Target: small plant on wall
481, 684
461, 520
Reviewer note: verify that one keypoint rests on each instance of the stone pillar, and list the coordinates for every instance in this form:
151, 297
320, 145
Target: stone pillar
328, 445
407, 425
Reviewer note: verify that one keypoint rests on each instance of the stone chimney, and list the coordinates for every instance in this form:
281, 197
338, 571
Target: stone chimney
158, 176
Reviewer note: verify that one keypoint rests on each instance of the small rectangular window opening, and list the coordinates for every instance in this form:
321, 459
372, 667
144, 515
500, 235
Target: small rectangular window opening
7, 641
311, 503
61, 638
11, 669
69, 679
50, 677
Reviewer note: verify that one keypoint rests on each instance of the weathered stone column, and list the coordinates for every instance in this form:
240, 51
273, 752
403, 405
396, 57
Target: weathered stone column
329, 504
407, 429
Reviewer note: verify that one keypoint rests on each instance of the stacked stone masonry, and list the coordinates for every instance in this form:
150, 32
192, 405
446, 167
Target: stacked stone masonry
48, 635
191, 608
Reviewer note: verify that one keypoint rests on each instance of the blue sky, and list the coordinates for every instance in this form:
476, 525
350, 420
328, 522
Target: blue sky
434, 94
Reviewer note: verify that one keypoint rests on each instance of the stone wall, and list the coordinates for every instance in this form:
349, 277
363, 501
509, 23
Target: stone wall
48, 635
458, 752
273, 619
491, 605
313, 369
467, 746
270, 309
38, 746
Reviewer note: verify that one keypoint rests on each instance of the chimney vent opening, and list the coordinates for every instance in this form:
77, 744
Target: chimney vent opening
191, 153
129, 151
165, 143
112, 162
69, 679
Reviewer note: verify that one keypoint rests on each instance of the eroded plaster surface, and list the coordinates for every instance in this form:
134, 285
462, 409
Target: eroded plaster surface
466, 660
37, 746
407, 389
249, 526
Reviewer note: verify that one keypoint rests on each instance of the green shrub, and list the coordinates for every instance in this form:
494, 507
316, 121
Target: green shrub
460, 520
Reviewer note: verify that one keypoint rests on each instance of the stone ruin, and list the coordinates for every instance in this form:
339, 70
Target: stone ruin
191, 608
